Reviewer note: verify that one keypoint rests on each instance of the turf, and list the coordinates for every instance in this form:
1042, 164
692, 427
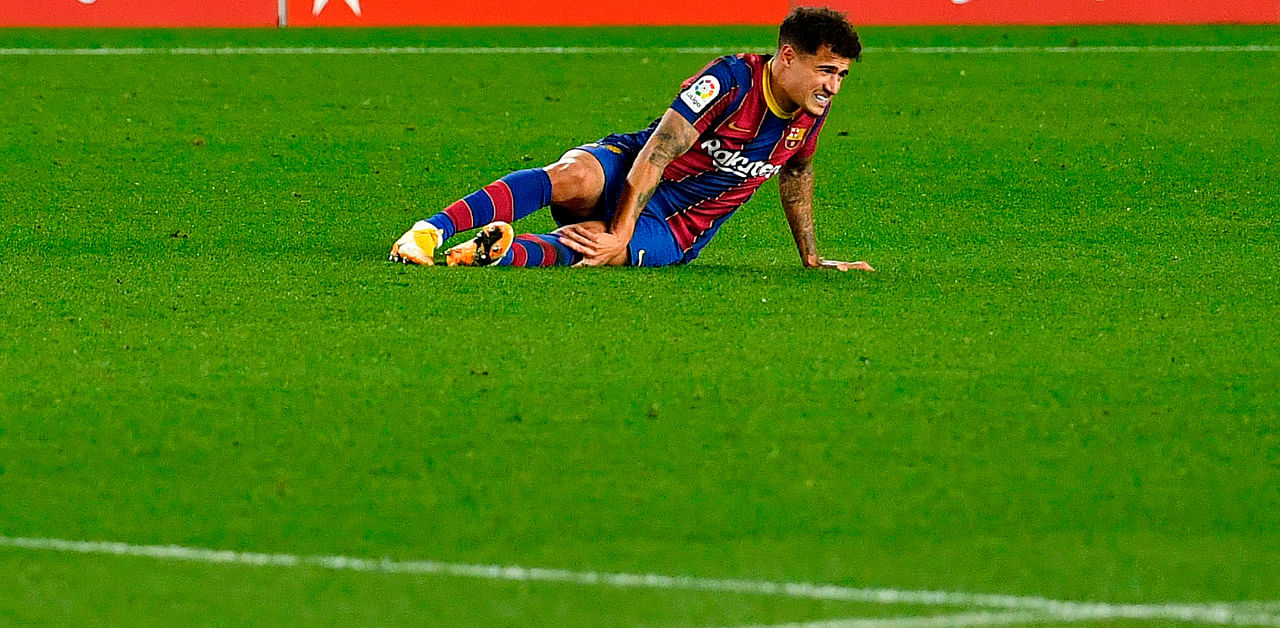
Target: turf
1061, 381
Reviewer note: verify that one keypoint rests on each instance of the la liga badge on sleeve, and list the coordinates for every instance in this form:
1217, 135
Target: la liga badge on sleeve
701, 93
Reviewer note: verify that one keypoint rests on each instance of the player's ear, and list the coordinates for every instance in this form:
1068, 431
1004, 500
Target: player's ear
787, 54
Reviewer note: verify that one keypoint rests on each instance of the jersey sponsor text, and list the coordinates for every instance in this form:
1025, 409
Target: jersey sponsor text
734, 162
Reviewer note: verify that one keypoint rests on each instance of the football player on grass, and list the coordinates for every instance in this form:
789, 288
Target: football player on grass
657, 196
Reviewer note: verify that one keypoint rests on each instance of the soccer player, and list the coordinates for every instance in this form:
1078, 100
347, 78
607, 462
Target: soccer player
656, 197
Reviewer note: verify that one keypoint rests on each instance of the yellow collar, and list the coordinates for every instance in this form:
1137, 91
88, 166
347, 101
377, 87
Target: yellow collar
768, 95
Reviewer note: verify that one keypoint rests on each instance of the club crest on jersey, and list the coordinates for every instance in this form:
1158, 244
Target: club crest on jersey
795, 135
701, 93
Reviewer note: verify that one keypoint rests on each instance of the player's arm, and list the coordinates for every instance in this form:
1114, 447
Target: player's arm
673, 137
795, 187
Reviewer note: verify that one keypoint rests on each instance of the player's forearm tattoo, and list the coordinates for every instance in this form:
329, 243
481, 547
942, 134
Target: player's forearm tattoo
671, 139
645, 195
795, 187
668, 144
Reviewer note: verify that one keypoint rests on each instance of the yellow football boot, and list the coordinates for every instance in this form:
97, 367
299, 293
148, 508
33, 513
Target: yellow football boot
417, 245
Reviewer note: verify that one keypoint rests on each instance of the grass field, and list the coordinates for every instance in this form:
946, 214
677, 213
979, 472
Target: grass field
1062, 382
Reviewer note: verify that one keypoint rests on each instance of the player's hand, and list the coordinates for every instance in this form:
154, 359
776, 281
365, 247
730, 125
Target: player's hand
845, 266
598, 248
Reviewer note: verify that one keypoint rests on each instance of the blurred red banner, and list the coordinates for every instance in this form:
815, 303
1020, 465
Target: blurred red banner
239, 13
865, 12
224, 13
530, 13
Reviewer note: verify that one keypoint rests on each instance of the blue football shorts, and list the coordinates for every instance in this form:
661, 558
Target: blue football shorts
652, 244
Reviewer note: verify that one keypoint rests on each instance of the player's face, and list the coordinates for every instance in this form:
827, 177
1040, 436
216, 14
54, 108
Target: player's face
811, 81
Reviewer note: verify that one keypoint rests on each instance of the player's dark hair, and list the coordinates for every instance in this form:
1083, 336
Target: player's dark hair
809, 28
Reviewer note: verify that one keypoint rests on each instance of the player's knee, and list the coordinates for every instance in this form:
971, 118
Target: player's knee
573, 179
567, 178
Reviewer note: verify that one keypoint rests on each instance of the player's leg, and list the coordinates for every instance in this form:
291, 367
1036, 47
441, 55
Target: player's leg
545, 249
513, 196
651, 245
577, 183
573, 184
497, 245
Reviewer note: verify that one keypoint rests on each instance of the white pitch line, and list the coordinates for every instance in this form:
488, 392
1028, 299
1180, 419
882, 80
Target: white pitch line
557, 50
308, 50
1237, 614
934, 50
962, 620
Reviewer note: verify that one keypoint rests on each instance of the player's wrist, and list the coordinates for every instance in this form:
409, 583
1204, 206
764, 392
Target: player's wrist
622, 232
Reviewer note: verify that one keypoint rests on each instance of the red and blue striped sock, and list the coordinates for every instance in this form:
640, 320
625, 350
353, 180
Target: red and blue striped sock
539, 249
508, 199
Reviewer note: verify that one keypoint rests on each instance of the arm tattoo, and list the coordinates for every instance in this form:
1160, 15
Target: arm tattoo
645, 196
669, 142
795, 188
671, 139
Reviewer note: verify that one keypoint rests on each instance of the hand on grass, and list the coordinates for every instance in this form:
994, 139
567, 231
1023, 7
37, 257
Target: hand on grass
598, 248
845, 266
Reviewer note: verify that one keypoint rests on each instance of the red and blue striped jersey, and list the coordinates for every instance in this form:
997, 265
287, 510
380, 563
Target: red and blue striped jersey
744, 139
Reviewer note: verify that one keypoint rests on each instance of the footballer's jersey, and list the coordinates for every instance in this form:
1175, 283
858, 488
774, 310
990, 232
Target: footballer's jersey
744, 139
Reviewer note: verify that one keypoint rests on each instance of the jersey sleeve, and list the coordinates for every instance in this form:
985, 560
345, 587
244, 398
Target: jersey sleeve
705, 96
811, 142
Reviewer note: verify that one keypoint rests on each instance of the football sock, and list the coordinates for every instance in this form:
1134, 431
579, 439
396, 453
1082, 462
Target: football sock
508, 199
539, 249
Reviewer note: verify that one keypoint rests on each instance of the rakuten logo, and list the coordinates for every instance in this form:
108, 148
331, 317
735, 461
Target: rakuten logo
734, 162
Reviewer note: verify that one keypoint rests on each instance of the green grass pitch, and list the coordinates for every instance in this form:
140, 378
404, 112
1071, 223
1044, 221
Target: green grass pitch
1062, 381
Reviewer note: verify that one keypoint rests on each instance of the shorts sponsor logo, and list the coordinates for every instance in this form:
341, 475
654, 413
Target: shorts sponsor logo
701, 93
735, 163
